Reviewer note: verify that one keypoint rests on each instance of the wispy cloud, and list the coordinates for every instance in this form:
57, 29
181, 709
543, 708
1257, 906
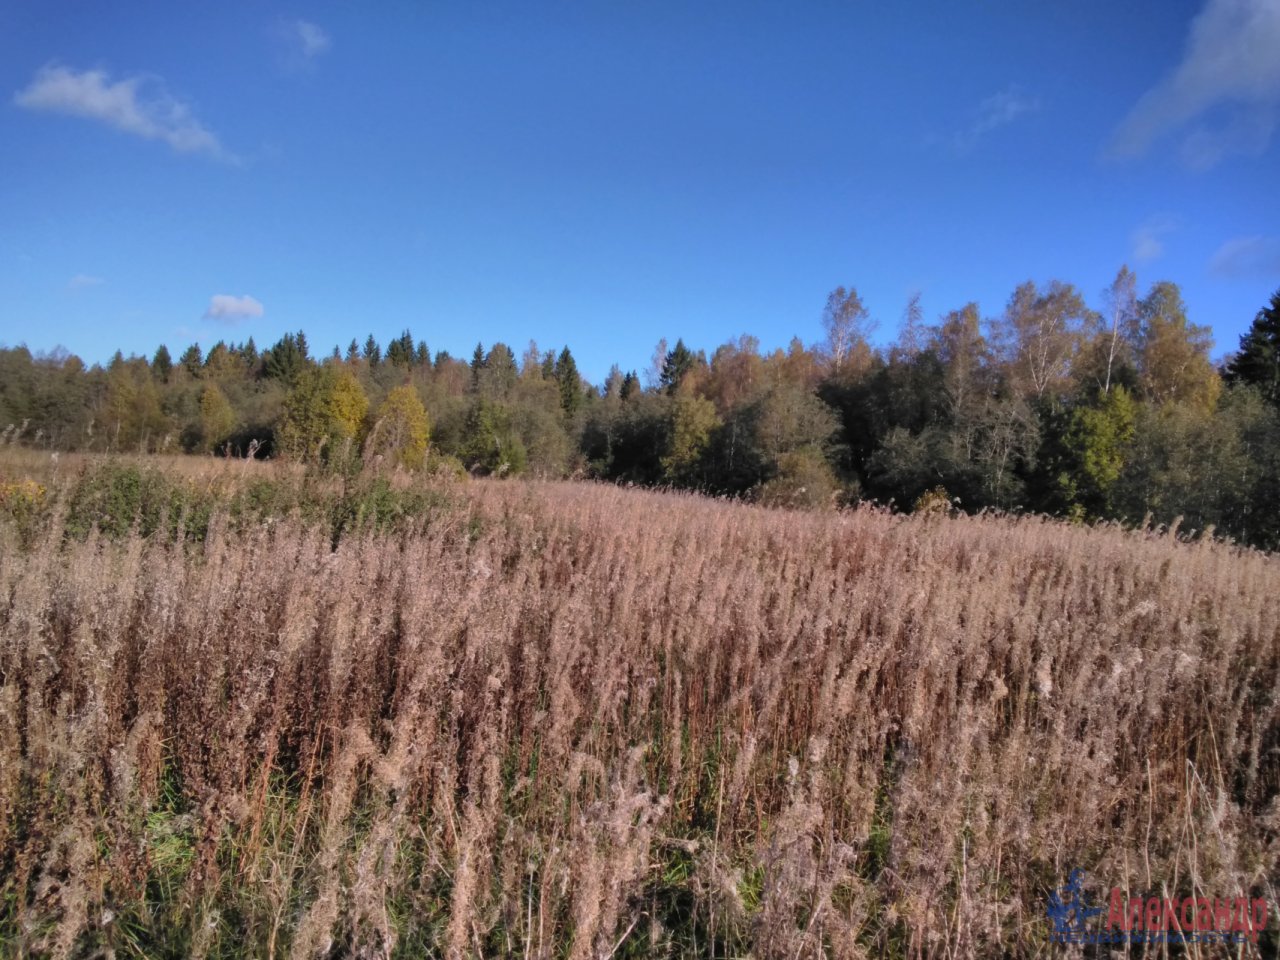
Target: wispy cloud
996, 111
1148, 239
1247, 257
138, 105
82, 280
1224, 97
314, 40
303, 43
228, 309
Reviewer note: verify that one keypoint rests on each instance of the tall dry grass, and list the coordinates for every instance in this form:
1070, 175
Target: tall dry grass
577, 721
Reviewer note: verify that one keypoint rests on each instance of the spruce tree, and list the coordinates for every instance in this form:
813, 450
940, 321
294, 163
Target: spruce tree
1258, 362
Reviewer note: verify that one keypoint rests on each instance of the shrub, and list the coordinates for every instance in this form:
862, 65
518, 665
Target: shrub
24, 503
115, 500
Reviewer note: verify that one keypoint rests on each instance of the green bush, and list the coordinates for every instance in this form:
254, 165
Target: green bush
115, 499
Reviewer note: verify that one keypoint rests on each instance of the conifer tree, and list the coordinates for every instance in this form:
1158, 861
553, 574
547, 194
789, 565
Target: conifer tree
1258, 361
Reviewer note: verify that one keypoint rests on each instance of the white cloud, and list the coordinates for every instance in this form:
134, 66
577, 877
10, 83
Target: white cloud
314, 41
998, 110
228, 309
1148, 239
137, 105
82, 280
302, 43
1247, 257
1224, 97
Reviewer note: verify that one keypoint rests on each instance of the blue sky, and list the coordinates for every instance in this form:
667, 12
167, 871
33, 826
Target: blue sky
606, 174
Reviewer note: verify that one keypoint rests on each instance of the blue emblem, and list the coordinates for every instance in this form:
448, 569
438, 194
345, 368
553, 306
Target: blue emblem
1068, 908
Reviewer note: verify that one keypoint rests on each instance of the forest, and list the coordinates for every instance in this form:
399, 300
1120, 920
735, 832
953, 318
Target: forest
1107, 412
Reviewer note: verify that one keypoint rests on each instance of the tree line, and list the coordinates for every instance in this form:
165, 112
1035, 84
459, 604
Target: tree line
1055, 406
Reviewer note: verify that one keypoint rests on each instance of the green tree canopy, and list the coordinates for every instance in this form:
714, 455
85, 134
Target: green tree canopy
1258, 361
677, 365
287, 359
217, 418
569, 382
162, 364
192, 360
1097, 440
491, 444
324, 411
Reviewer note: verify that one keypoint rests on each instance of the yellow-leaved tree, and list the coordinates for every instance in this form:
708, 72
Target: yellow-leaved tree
217, 418
1173, 355
693, 421
323, 413
401, 429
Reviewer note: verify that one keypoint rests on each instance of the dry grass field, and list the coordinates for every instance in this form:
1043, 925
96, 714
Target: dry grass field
554, 720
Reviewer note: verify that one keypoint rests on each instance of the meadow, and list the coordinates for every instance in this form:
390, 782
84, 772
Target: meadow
246, 711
